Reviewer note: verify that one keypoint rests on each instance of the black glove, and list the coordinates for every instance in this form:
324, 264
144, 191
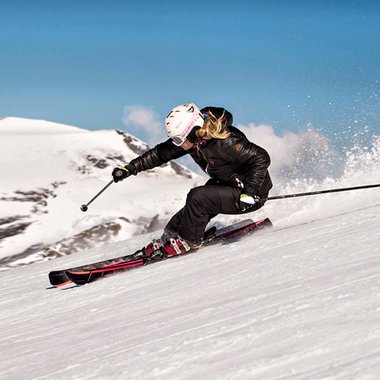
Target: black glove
248, 201
122, 172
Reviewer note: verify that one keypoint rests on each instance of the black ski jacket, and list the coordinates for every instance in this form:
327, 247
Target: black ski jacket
234, 161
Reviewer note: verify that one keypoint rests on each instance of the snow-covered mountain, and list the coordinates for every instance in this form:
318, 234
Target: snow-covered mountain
47, 170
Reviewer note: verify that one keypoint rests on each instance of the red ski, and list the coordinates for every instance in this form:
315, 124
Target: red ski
86, 274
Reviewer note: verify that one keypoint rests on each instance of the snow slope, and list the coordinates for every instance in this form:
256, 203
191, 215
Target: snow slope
300, 301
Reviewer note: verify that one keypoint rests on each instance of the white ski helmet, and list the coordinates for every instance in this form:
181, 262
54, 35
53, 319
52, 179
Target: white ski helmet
181, 120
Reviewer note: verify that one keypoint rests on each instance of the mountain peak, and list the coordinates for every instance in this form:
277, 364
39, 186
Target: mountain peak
17, 125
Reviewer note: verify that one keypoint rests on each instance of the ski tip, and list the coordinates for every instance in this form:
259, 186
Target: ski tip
58, 278
78, 277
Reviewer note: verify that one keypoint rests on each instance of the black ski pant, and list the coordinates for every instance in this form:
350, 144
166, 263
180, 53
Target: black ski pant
202, 204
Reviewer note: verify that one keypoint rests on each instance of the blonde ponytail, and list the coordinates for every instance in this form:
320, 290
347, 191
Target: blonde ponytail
214, 127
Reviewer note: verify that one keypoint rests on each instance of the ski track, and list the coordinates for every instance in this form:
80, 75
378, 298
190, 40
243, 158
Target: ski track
296, 302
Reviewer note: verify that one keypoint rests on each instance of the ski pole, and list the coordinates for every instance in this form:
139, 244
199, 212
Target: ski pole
84, 208
320, 192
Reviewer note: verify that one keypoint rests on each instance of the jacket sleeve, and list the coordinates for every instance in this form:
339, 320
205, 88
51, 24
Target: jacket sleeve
257, 161
157, 156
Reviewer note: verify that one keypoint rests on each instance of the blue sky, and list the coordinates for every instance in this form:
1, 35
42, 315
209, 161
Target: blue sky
282, 63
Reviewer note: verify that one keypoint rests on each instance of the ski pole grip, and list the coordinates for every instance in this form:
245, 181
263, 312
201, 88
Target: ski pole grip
119, 173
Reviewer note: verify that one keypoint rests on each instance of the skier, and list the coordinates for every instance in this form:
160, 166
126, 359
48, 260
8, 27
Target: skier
238, 171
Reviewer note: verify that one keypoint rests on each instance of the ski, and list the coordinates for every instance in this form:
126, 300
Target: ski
98, 269
59, 277
86, 275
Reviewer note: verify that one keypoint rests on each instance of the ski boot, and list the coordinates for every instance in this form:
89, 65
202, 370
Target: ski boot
160, 249
154, 251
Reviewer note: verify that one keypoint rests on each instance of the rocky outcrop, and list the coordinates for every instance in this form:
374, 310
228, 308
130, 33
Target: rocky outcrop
135, 145
38, 197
